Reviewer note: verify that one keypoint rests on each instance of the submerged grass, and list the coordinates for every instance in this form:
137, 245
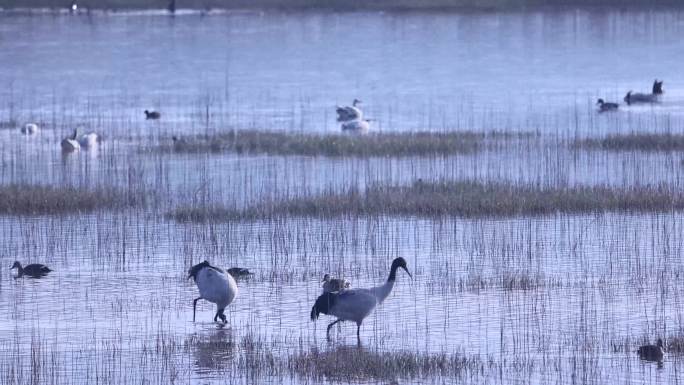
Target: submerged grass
635, 142
463, 199
380, 144
27, 199
350, 364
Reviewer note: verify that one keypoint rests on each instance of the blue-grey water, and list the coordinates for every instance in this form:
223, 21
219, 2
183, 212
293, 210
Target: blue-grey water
560, 299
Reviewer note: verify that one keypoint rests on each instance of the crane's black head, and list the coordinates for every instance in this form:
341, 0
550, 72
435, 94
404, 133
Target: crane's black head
600, 102
192, 273
356, 101
16, 265
397, 263
628, 97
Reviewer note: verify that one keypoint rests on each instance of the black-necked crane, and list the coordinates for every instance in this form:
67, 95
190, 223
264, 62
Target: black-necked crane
215, 285
356, 304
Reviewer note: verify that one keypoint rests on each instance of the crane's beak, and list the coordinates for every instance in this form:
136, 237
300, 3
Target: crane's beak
407, 272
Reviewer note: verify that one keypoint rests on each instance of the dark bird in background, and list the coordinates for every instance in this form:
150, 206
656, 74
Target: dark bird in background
153, 115
34, 270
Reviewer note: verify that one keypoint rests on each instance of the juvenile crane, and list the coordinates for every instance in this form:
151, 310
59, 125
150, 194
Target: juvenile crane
356, 304
215, 285
334, 284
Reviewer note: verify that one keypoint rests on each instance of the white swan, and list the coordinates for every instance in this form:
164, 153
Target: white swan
348, 113
29, 129
70, 144
360, 126
88, 140
215, 285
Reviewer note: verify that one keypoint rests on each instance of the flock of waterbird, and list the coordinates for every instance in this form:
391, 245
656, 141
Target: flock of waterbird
634, 98
338, 299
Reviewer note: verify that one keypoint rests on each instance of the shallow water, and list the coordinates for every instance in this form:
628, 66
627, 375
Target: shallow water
288, 71
560, 298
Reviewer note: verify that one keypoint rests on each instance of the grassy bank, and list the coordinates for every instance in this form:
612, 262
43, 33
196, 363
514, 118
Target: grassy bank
385, 144
635, 142
462, 199
25, 199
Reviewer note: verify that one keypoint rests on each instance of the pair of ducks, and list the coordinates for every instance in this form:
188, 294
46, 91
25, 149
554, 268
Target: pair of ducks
634, 98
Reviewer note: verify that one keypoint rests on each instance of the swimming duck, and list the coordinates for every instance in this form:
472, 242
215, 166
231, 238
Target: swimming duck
604, 106
34, 270
652, 352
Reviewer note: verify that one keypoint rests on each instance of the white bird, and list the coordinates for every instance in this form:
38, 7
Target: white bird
29, 129
88, 140
356, 304
215, 285
334, 284
345, 114
357, 126
70, 144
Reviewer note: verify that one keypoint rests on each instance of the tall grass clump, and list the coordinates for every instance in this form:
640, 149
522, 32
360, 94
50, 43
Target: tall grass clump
467, 199
27, 199
351, 364
635, 142
311, 144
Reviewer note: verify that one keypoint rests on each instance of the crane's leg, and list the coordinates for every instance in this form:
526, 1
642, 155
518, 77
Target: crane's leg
194, 307
222, 316
327, 333
358, 332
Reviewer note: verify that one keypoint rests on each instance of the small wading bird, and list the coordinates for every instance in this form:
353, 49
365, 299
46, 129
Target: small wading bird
172, 6
34, 270
215, 285
356, 304
652, 352
334, 284
152, 115
604, 106
29, 129
70, 144
654, 96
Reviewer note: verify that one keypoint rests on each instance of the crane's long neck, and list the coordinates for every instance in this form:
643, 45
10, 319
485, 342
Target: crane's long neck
383, 291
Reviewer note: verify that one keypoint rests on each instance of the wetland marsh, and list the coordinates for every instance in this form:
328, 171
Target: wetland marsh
544, 238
